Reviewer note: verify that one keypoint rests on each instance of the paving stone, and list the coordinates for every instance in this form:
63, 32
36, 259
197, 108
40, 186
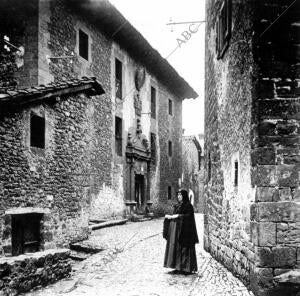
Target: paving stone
132, 265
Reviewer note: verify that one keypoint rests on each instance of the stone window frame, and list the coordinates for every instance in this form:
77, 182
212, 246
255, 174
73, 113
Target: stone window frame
84, 29
223, 28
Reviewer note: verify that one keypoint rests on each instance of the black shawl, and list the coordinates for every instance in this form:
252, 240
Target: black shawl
188, 232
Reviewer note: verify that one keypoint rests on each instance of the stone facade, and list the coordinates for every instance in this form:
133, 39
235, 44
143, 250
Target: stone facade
57, 181
252, 142
78, 174
192, 172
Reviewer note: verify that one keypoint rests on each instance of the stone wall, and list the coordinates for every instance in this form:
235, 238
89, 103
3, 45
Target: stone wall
252, 108
53, 33
275, 155
63, 177
170, 168
58, 36
228, 140
22, 29
21, 274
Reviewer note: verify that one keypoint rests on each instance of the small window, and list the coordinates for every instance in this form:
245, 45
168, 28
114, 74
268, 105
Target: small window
153, 147
118, 79
209, 168
170, 148
169, 192
223, 28
236, 173
118, 135
153, 102
83, 45
37, 131
170, 107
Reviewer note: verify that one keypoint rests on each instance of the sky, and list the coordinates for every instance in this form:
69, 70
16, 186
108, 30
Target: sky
186, 55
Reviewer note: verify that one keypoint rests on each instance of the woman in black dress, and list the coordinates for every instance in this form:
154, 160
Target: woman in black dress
181, 236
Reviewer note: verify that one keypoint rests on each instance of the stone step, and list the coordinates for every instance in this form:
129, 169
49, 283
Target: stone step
108, 223
78, 256
85, 247
97, 221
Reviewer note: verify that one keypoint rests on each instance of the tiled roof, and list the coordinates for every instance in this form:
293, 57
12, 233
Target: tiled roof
20, 97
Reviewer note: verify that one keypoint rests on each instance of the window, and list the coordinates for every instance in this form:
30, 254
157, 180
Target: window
209, 168
170, 107
83, 45
169, 192
153, 147
118, 135
170, 152
25, 230
236, 173
37, 131
223, 28
118, 79
153, 102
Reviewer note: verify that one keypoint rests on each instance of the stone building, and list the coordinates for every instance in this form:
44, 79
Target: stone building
252, 139
76, 148
192, 171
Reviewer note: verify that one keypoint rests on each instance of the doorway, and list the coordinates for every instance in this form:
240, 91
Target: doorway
139, 191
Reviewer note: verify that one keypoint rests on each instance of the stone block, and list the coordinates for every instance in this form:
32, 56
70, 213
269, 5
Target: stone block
288, 175
284, 257
261, 278
280, 257
286, 128
267, 128
254, 233
288, 233
275, 108
287, 211
263, 156
265, 194
296, 194
264, 176
264, 257
266, 234
285, 194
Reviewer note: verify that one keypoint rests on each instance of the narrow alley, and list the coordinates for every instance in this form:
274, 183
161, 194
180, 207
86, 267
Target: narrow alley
132, 265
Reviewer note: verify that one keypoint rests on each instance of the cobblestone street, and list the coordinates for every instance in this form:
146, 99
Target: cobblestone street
132, 265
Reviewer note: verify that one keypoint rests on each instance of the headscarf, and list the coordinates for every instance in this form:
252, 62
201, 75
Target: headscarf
182, 205
188, 231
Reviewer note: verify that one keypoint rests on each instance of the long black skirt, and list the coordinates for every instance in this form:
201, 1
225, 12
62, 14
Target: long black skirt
182, 258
